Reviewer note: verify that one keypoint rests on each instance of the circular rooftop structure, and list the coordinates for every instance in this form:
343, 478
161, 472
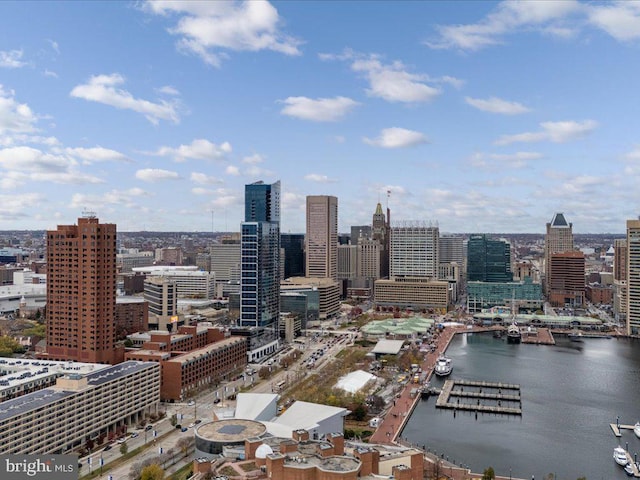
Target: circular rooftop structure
212, 436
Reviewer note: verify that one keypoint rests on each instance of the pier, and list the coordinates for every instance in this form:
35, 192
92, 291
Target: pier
448, 392
616, 427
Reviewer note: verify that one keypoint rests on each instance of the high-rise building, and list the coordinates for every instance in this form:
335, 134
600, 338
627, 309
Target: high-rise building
358, 232
452, 249
380, 233
322, 237
81, 292
293, 246
566, 279
225, 260
488, 260
620, 259
347, 261
260, 256
369, 263
414, 250
633, 277
559, 239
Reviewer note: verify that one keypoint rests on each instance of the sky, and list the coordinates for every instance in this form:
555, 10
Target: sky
473, 116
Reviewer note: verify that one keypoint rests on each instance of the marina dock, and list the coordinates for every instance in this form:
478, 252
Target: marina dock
617, 427
448, 391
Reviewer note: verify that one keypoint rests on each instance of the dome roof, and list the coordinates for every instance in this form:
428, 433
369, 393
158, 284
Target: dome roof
263, 450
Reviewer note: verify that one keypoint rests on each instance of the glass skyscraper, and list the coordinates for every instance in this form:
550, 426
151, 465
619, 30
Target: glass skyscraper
488, 260
260, 256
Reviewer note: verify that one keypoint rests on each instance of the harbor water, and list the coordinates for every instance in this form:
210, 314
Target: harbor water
571, 392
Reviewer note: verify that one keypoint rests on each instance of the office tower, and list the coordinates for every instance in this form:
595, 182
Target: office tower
225, 260
620, 259
322, 237
488, 260
347, 261
414, 250
369, 263
566, 274
81, 291
451, 249
358, 232
293, 246
559, 239
260, 256
380, 233
633, 277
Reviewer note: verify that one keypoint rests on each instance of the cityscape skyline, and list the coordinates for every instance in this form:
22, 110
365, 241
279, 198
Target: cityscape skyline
483, 119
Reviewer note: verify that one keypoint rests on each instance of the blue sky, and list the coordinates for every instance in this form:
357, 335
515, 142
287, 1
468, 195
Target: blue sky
477, 116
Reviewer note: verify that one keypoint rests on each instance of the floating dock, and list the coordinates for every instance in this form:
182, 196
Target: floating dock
617, 427
448, 391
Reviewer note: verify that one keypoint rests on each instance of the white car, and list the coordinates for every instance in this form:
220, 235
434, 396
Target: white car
191, 425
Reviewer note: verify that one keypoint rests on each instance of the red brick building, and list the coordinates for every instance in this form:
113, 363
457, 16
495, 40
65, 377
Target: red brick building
81, 292
192, 358
131, 315
567, 285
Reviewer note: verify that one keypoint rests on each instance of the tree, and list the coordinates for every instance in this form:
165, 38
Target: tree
124, 449
489, 474
152, 472
174, 420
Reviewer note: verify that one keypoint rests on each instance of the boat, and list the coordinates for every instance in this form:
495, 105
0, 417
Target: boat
636, 429
513, 333
629, 469
620, 456
443, 366
497, 333
576, 336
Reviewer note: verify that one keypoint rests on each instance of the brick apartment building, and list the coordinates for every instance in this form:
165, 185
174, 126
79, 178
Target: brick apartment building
192, 358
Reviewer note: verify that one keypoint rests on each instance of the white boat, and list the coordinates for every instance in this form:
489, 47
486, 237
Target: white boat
620, 456
443, 366
629, 470
513, 333
636, 429
576, 336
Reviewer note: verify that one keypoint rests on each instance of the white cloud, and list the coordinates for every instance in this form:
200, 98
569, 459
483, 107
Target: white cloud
113, 197
199, 149
255, 171
96, 154
14, 116
12, 206
397, 138
169, 90
204, 179
316, 177
497, 105
202, 191
54, 46
70, 177
156, 175
318, 110
102, 89
11, 59
49, 73
508, 17
232, 170
33, 160
393, 82
208, 29
513, 160
453, 81
12, 179
226, 198
253, 159
293, 201
556, 132
619, 19
633, 155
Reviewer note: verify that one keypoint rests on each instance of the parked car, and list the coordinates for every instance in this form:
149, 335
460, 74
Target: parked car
184, 429
107, 448
197, 421
178, 426
134, 434
148, 427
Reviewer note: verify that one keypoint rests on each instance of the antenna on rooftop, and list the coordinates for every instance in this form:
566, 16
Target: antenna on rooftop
88, 214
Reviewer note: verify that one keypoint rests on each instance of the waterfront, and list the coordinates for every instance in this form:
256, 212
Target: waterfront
571, 392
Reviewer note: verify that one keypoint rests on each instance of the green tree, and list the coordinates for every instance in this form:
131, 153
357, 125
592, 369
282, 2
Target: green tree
489, 474
152, 472
174, 420
124, 449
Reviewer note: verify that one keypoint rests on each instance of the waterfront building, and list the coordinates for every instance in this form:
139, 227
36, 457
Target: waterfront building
321, 255
413, 293
81, 292
566, 279
414, 250
633, 277
524, 295
620, 259
80, 406
488, 260
260, 265
559, 238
